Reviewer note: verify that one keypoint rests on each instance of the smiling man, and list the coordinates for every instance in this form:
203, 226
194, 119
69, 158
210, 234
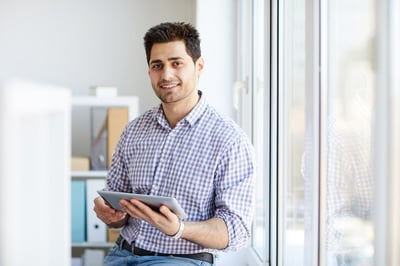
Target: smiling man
174, 76
185, 149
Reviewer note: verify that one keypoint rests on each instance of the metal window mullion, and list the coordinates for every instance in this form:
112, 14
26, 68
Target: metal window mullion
387, 131
274, 194
381, 142
394, 120
323, 30
316, 113
267, 115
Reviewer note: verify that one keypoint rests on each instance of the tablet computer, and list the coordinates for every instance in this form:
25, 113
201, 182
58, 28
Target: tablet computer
154, 202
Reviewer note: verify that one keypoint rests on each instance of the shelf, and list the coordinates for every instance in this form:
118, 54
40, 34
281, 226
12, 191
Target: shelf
88, 174
104, 101
93, 245
83, 104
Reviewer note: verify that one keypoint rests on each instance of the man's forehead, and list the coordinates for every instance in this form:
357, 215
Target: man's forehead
168, 50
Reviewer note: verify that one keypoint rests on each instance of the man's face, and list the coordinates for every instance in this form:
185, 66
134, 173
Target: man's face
173, 74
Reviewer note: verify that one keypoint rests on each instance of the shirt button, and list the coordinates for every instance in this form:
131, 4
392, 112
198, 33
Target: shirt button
162, 160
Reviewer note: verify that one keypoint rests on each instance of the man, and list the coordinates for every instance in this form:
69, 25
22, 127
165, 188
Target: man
185, 149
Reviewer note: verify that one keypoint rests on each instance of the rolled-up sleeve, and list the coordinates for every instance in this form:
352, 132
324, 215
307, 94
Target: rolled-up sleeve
235, 191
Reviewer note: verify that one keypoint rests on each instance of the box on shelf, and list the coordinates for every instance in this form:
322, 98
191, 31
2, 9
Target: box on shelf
78, 211
80, 163
98, 150
107, 125
117, 118
96, 230
113, 234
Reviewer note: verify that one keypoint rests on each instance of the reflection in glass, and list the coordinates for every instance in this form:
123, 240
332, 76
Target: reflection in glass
348, 236
349, 229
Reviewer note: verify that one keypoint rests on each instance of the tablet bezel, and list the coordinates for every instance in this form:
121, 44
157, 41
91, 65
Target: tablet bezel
113, 197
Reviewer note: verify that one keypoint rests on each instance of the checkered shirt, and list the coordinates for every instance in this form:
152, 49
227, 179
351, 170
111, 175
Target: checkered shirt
206, 162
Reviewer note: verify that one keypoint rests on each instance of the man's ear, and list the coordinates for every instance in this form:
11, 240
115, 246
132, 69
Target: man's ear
200, 65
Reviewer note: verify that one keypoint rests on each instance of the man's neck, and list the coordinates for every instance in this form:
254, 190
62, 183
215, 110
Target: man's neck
175, 112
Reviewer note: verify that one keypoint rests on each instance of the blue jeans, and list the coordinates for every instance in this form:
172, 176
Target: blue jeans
122, 257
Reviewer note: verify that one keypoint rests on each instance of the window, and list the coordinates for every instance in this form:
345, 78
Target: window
319, 98
325, 132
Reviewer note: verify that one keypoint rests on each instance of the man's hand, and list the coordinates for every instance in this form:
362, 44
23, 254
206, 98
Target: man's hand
164, 220
212, 233
108, 215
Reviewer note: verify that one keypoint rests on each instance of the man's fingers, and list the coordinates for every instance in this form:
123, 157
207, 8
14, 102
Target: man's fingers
135, 208
167, 212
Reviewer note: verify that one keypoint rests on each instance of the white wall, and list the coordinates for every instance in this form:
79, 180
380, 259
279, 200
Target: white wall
77, 44
216, 22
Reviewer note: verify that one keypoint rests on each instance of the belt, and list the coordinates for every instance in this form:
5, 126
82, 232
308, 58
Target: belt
122, 243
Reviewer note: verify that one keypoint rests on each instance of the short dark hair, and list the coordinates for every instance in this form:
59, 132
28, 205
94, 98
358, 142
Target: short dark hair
177, 31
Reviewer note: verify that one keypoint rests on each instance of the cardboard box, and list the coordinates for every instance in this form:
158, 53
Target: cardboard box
117, 118
80, 163
113, 234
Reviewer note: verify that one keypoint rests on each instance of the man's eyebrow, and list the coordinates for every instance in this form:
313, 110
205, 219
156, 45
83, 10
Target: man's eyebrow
175, 58
157, 61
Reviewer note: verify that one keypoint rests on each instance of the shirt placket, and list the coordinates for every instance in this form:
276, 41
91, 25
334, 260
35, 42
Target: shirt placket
163, 164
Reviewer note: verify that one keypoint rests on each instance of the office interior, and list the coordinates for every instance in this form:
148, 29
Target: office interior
314, 84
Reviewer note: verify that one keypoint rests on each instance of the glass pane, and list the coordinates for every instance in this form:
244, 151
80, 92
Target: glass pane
292, 91
349, 228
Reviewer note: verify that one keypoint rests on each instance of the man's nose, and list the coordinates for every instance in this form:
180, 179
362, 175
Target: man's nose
167, 72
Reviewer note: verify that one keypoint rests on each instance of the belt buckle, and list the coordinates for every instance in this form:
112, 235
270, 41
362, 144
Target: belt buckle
123, 244
132, 246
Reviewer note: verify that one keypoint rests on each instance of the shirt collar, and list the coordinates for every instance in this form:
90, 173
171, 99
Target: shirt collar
190, 118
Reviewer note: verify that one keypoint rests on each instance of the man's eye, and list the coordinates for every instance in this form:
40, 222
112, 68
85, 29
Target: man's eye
156, 66
177, 63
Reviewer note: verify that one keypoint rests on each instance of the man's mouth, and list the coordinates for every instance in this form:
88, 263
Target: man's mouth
168, 86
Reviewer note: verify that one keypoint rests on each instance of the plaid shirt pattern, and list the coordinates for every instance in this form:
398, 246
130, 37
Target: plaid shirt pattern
206, 162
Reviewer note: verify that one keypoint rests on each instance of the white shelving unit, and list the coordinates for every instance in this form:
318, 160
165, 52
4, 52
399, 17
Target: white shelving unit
75, 175
132, 102
78, 248
93, 245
